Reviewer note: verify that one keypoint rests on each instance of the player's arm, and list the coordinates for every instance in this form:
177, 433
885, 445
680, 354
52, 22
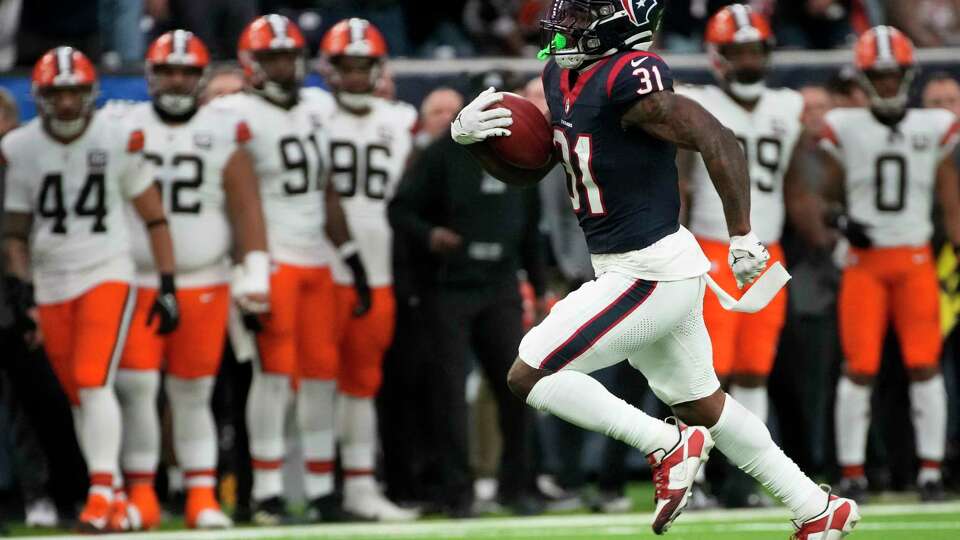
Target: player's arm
16, 233
339, 233
948, 196
242, 191
150, 209
805, 207
833, 193
686, 160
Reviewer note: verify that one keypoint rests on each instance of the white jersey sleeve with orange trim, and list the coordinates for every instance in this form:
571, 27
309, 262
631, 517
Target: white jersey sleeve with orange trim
891, 173
287, 147
188, 161
77, 193
769, 134
368, 155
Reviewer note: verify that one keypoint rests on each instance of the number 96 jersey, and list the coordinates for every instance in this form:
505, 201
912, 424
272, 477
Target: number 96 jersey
76, 194
188, 161
891, 173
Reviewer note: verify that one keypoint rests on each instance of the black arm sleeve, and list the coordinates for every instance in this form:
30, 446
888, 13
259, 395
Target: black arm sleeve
415, 195
532, 256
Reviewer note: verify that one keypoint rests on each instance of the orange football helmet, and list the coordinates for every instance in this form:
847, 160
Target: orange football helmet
353, 82
176, 49
884, 50
266, 35
730, 34
64, 68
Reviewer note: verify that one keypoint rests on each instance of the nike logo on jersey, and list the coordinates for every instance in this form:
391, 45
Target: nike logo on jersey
637, 61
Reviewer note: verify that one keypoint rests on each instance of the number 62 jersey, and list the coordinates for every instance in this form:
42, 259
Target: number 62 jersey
891, 172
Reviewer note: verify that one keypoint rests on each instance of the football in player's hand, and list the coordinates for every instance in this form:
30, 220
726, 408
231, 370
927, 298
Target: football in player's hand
530, 142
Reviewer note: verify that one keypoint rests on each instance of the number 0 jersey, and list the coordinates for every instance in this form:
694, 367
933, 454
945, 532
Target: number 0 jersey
368, 154
288, 149
768, 134
891, 173
189, 160
76, 193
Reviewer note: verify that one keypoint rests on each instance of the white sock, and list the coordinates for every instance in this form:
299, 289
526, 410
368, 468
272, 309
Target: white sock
194, 430
357, 427
928, 399
746, 442
137, 395
315, 418
754, 400
581, 400
100, 432
852, 417
266, 412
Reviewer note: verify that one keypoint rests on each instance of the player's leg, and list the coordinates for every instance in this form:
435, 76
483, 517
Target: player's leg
137, 384
270, 394
194, 354
863, 306
316, 398
916, 316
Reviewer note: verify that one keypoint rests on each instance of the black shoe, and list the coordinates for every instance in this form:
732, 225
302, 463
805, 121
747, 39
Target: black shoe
524, 505
460, 510
932, 491
853, 488
329, 509
270, 512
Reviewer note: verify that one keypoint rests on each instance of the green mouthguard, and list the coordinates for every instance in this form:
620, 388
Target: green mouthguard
559, 42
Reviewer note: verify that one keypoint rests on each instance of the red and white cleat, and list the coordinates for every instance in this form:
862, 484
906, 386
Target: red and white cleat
837, 521
674, 472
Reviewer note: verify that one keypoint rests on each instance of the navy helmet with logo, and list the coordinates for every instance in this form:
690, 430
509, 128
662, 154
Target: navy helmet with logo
576, 31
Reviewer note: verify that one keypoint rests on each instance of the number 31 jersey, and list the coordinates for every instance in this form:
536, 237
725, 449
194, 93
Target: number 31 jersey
891, 173
76, 193
188, 161
368, 154
768, 135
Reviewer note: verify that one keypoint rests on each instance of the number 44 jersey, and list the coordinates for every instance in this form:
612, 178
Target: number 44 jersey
76, 194
891, 172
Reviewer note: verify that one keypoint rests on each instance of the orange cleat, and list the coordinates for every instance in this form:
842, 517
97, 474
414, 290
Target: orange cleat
95, 517
119, 520
203, 511
144, 508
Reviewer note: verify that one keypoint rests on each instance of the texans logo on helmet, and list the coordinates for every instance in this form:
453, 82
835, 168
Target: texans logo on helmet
638, 11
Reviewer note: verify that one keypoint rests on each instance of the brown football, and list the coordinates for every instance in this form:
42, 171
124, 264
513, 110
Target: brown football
530, 143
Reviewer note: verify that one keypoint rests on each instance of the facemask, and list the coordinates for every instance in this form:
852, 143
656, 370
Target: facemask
67, 129
176, 104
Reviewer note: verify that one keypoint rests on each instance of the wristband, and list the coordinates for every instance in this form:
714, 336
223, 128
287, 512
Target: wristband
347, 249
156, 223
167, 284
256, 265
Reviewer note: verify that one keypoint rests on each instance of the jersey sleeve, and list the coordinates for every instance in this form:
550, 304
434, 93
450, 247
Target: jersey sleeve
636, 75
950, 135
138, 175
16, 196
829, 141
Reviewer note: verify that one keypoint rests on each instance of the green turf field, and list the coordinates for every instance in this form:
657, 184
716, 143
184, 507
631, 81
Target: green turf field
881, 522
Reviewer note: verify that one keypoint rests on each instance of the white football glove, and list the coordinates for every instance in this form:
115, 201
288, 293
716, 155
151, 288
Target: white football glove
748, 257
475, 124
252, 280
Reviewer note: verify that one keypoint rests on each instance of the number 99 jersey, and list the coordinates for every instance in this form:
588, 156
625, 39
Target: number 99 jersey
288, 149
76, 194
368, 154
891, 173
768, 135
188, 160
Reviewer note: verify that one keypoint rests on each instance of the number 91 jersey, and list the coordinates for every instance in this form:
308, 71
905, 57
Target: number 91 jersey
768, 135
188, 160
76, 194
891, 173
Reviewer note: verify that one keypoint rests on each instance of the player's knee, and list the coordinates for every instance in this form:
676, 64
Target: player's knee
921, 374
521, 378
702, 412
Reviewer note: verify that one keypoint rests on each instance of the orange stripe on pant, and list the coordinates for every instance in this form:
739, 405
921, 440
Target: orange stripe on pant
84, 336
298, 336
195, 348
743, 343
881, 284
364, 340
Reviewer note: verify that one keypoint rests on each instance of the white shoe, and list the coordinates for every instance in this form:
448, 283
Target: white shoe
212, 518
675, 471
41, 513
835, 522
366, 501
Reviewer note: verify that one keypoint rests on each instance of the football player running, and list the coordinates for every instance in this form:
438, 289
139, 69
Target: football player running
69, 175
212, 200
617, 125
298, 338
890, 163
370, 141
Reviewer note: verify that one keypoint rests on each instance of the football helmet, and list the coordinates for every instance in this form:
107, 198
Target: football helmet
353, 52
737, 38
271, 35
62, 69
885, 51
578, 31
179, 49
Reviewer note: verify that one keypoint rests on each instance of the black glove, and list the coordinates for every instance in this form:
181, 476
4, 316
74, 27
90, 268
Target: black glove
20, 299
360, 285
165, 307
854, 231
251, 321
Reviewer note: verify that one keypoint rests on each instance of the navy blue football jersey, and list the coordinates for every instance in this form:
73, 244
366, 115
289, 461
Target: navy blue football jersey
622, 183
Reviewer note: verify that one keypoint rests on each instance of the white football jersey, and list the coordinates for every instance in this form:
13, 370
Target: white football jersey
288, 148
368, 155
189, 159
891, 173
77, 194
768, 134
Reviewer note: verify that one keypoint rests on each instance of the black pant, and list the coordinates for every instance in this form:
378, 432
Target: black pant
488, 320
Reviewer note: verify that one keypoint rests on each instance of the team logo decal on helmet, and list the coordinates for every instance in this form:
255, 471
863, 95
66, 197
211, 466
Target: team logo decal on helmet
639, 11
